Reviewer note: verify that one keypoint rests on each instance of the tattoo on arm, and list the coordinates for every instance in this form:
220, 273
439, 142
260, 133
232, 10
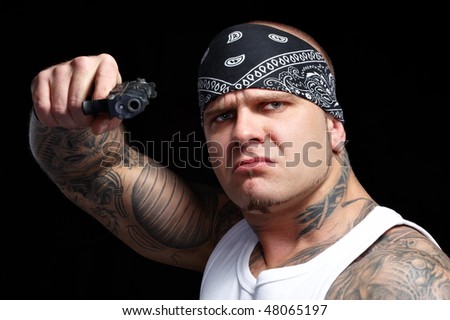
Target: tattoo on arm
401, 265
102, 195
150, 208
74, 160
67, 153
169, 210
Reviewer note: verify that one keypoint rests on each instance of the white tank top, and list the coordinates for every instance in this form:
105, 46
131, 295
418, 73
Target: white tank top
227, 274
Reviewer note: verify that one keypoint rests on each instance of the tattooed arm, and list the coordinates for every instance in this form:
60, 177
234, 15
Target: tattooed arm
146, 205
403, 264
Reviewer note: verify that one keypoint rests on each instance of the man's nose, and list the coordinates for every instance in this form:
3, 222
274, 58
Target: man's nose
249, 126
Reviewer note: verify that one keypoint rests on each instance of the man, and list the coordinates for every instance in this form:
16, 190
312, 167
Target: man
292, 222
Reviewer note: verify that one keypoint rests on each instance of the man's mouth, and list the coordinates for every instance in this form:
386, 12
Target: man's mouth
252, 163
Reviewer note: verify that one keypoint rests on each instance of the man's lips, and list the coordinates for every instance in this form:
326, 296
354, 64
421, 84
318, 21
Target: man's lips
251, 163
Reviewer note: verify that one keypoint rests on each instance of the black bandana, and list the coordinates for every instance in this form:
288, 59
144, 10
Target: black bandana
256, 56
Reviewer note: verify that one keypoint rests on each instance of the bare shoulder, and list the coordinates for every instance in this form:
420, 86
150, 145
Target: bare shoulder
403, 264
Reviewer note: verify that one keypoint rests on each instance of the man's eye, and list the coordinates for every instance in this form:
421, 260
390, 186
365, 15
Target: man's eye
274, 105
224, 116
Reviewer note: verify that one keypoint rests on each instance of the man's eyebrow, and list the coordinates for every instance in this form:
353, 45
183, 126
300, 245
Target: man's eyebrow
270, 95
214, 108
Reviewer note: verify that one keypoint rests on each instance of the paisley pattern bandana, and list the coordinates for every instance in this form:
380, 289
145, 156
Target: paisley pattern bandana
257, 56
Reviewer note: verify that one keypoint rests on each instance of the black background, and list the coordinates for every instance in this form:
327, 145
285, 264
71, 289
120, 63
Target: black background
392, 81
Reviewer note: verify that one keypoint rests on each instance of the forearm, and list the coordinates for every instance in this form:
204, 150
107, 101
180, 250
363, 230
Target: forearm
71, 154
87, 168
144, 204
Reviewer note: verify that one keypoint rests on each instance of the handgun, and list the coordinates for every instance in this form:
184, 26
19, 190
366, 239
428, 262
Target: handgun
125, 101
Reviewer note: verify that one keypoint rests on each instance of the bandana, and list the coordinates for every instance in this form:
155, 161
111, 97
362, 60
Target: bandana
257, 56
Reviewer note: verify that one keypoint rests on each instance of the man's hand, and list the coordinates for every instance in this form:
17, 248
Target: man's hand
58, 92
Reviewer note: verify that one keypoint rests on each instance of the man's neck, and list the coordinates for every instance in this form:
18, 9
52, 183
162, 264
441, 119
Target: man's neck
290, 235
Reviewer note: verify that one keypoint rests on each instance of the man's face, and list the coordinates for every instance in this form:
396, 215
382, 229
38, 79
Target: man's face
267, 147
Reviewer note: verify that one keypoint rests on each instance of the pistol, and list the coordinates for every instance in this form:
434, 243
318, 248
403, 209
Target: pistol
125, 101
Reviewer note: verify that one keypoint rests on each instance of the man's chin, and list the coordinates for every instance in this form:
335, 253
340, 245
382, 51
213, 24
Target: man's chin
261, 204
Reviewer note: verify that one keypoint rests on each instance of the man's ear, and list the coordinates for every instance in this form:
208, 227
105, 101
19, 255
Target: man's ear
337, 133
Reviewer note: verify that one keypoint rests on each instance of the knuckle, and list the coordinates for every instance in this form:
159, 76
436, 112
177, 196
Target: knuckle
81, 63
59, 111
